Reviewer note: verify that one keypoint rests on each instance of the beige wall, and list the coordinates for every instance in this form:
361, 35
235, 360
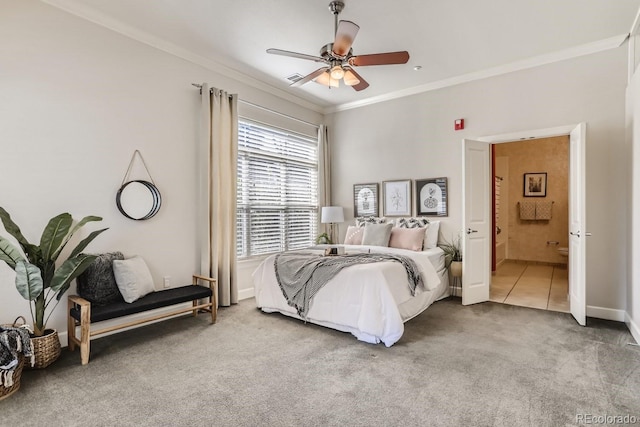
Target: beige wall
76, 101
527, 240
413, 137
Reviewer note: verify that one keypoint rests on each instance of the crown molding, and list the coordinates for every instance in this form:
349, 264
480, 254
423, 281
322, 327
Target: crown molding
75, 8
90, 14
536, 61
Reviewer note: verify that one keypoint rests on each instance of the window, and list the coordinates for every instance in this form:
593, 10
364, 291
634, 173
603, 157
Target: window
277, 191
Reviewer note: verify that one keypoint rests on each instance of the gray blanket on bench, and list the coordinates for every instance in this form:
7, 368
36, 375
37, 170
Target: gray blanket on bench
302, 275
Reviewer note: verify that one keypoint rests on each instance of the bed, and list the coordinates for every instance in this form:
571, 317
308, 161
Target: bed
370, 301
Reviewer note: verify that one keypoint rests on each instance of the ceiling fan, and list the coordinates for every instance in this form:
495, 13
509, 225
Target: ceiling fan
339, 59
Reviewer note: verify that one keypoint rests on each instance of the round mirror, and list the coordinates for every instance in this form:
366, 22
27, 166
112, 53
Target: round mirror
138, 200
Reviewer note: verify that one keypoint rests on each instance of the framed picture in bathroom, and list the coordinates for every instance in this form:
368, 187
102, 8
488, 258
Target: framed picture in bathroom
535, 184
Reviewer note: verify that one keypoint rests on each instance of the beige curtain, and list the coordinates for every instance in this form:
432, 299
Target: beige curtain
324, 168
217, 205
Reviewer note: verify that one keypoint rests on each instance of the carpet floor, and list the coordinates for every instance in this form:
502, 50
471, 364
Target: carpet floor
483, 365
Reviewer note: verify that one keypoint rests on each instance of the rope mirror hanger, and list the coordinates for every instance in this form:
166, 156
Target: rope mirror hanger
138, 199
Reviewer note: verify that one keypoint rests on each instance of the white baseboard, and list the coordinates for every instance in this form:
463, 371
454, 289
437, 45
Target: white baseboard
633, 328
606, 313
246, 293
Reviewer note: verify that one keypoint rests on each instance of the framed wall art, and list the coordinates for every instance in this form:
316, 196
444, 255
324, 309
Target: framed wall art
432, 197
365, 200
397, 198
535, 184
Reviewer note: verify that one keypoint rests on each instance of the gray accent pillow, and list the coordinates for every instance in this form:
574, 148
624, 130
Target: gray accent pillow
377, 234
98, 283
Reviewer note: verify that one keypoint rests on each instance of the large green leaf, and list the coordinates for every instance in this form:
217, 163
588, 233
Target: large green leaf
28, 280
47, 269
83, 244
9, 253
69, 270
75, 228
83, 221
54, 234
13, 229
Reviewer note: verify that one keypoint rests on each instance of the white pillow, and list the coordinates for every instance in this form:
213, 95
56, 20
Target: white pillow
133, 278
431, 235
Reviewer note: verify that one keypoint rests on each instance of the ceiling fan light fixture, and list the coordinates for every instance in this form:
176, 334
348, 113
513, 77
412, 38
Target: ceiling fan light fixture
338, 58
326, 79
350, 79
337, 72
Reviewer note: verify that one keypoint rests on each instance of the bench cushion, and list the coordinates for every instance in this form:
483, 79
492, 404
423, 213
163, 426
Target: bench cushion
151, 301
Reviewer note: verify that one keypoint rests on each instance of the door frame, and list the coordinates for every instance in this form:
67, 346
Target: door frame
525, 135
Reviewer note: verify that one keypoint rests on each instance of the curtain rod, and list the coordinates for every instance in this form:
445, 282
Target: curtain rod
199, 86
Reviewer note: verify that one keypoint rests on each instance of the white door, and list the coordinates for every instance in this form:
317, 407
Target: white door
577, 224
476, 265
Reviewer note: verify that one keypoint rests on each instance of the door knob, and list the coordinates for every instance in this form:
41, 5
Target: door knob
469, 231
587, 234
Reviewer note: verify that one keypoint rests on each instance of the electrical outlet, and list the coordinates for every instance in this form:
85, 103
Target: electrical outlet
167, 281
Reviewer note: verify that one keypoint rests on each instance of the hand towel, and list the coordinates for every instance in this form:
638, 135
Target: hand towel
527, 210
543, 210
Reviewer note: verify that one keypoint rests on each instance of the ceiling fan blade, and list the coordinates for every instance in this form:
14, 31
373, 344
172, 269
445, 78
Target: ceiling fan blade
380, 59
345, 34
362, 84
295, 55
309, 77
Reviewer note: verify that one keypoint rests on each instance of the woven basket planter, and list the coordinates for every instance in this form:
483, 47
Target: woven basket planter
46, 349
17, 374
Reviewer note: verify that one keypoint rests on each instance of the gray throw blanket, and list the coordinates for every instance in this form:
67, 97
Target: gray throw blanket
302, 275
12, 342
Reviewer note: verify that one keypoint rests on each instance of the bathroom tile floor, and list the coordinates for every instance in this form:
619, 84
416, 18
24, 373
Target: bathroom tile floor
531, 285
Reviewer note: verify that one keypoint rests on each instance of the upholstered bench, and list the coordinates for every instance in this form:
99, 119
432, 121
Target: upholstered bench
84, 314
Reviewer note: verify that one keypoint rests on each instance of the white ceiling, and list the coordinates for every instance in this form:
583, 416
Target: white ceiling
448, 38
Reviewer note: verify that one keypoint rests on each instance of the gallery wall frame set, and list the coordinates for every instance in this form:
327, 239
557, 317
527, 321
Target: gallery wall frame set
431, 198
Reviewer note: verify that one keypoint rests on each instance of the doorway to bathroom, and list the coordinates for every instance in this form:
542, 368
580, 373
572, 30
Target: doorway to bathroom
530, 220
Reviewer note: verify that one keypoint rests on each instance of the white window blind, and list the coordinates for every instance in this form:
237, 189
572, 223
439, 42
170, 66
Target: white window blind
277, 189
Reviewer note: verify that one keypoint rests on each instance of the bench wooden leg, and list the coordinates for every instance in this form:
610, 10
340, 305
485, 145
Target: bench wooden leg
71, 328
213, 299
85, 334
194, 303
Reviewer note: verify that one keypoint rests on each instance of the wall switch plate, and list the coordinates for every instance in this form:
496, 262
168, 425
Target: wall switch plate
167, 281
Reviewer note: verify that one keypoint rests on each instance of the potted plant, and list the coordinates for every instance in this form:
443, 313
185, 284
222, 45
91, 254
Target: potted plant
324, 239
452, 256
37, 278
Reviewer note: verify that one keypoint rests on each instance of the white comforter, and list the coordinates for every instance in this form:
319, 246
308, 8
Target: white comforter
371, 301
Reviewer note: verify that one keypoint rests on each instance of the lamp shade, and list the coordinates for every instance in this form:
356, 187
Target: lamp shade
332, 215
